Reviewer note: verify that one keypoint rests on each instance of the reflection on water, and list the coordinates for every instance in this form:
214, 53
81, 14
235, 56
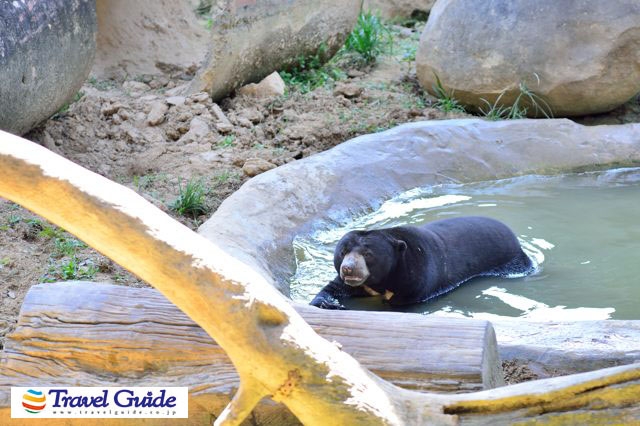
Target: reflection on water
582, 229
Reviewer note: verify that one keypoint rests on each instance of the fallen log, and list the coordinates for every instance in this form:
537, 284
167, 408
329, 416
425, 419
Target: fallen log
114, 331
274, 351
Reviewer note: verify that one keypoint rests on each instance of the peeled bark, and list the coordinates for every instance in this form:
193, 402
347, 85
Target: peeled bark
275, 352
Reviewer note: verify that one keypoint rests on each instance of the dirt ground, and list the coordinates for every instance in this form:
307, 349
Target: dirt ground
140, 134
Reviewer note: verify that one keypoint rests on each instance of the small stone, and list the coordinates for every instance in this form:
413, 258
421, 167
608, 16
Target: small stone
198, 109
132, 134
49, 143
175, 100
254, 166
158, 82
270, 86
219, 114
354, 73
156, 115
200, 97
293, 133
11, 294
347, 90
108, 109
124, 114
183, 128
172, 133
176, 90
403, 32
198, 127
184, 116
290, 116
245, 122
153, 135
253, 115
148, 98
224, 128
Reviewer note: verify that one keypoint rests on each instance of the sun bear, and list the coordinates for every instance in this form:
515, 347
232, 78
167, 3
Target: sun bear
411, 264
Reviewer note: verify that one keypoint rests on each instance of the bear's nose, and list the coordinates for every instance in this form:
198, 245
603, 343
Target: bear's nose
347, 269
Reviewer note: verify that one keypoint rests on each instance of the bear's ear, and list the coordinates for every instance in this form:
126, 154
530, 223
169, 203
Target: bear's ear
400, 245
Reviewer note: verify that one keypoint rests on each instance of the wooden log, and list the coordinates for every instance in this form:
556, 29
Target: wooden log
114, 332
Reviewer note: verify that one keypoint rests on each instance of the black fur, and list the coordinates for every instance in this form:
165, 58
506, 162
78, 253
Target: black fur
417, 263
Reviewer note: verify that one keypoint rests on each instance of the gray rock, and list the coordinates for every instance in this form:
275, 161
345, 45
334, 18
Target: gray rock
156, 115
46, 54
581, 57
250, 42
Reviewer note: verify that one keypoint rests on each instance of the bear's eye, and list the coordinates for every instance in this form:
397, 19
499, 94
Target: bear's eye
367, 254
343, 251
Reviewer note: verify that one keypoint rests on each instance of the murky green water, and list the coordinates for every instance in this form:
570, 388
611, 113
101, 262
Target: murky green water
583, 229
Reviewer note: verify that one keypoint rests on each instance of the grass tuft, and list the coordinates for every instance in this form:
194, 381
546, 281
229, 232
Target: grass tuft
530, 98
310, 72
496, 111
526, 99
227, 141
191, 199
446, 102
370, 38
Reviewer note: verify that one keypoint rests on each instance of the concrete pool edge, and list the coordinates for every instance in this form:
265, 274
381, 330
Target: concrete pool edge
258, 223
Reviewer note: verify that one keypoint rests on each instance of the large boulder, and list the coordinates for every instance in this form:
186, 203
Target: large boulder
46, 51
148, 37
251, 39
398, 9
581, 57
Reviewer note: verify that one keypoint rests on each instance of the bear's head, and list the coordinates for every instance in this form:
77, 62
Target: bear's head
367, 257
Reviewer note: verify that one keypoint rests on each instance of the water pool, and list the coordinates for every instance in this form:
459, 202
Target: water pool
583, 230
